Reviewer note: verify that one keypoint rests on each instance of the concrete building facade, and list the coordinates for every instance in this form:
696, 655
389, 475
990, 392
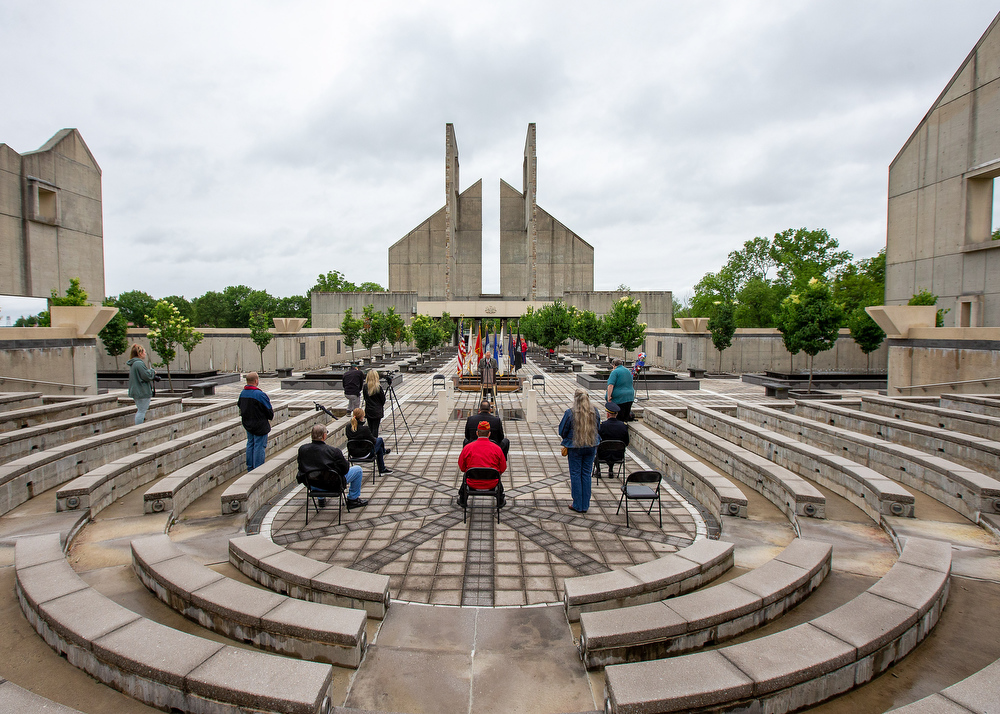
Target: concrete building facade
51, 221
941, 187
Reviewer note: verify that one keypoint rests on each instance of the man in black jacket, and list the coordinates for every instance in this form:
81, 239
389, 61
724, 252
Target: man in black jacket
353, 378
322, 464
496, 427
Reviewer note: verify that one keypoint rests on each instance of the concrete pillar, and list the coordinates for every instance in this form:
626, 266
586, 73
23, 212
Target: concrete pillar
531, 406
444, 406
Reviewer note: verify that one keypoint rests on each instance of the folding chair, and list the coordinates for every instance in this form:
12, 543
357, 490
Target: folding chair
314, 493
612, 453
536, 380
438, 379
361, 452
484, 474
641, 486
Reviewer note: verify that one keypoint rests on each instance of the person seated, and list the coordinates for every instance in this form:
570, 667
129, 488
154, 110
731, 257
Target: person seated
358, 434
481, 453
323, 465
611, 428
496, 427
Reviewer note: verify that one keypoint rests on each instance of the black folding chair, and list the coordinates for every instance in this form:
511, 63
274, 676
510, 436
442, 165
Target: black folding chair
641, 486
612, 453
315, 493
361, 452
484, 474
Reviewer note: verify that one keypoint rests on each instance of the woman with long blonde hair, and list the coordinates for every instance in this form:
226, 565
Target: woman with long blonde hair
374, 400
360, 440
578, 430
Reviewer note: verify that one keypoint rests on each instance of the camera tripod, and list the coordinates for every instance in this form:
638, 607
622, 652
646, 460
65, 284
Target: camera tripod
393, 399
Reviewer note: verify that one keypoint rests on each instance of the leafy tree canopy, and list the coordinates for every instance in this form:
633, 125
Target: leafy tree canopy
135, 304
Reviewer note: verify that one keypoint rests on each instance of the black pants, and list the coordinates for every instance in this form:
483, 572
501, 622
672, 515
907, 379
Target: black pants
625, 412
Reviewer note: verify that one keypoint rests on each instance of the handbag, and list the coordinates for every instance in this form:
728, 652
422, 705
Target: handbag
565, 451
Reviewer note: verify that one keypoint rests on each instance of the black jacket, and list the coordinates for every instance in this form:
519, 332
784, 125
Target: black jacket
614, 429
353, 378
356, 440
255, 411
320, 456
496, 427
374, 403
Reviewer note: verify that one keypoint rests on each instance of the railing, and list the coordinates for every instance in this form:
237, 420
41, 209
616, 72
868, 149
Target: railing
41, 381
949, 384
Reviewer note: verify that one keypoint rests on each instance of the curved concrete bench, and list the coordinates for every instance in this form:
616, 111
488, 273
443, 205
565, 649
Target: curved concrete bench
16, 444
21, 479
25, 413
274, 622
867, 489
297, 576
155, 664
183, 486
793, 495
975, 694
968, 492
19, 400
100, 487
985, 427
711, 489
805, 664
687, 569
253, 490
15, 699
974, 452
988, 405
707, 616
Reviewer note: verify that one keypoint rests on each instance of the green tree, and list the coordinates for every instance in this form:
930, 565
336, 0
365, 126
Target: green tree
865, 332
135, 304
723, 326
861, 283
425, 333
75, 296
529, 325
811, 320
395, 326
802, 254
260, 334
183, 306
926, 297
622, 321
587, 328
350, 328
333, 282
189, 340
554, 322
167, 328
294, 306
114, 335
446, 328
371, 328
370, 288
758, 301
210, 310
242, 301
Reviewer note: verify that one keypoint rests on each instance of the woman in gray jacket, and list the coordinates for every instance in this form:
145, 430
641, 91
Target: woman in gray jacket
140, 381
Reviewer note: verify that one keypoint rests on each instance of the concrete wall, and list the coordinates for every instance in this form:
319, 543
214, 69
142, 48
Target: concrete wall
328, 308
232, 350
51, 222
941, 196
657, 305
932, 356
63, 362
753, 350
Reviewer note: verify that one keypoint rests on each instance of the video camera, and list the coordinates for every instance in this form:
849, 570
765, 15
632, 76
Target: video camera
390, 376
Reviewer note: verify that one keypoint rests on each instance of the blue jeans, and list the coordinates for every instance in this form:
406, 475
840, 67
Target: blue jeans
141, 405
255, 450
581, 467
380, 454
353, 477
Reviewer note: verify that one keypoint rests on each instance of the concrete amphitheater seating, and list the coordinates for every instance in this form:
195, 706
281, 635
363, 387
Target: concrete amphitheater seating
673, 574
792, 494
155, 664
976, 694
308, 630
707, 616
17, 700
806, 664
283, 571
985, 427
21, 411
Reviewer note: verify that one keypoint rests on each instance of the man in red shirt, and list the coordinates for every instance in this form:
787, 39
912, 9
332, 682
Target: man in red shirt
482, 453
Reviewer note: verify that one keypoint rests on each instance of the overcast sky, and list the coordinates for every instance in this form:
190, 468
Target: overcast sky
265, 143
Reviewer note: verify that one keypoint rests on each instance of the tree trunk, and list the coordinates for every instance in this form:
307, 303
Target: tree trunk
170, 381
262, 360
720, 361
810, 373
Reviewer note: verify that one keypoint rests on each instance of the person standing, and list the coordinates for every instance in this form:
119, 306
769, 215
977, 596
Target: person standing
374, 400
256, 414
353, 379
140, 381
620, 389
578, 430
481, 453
